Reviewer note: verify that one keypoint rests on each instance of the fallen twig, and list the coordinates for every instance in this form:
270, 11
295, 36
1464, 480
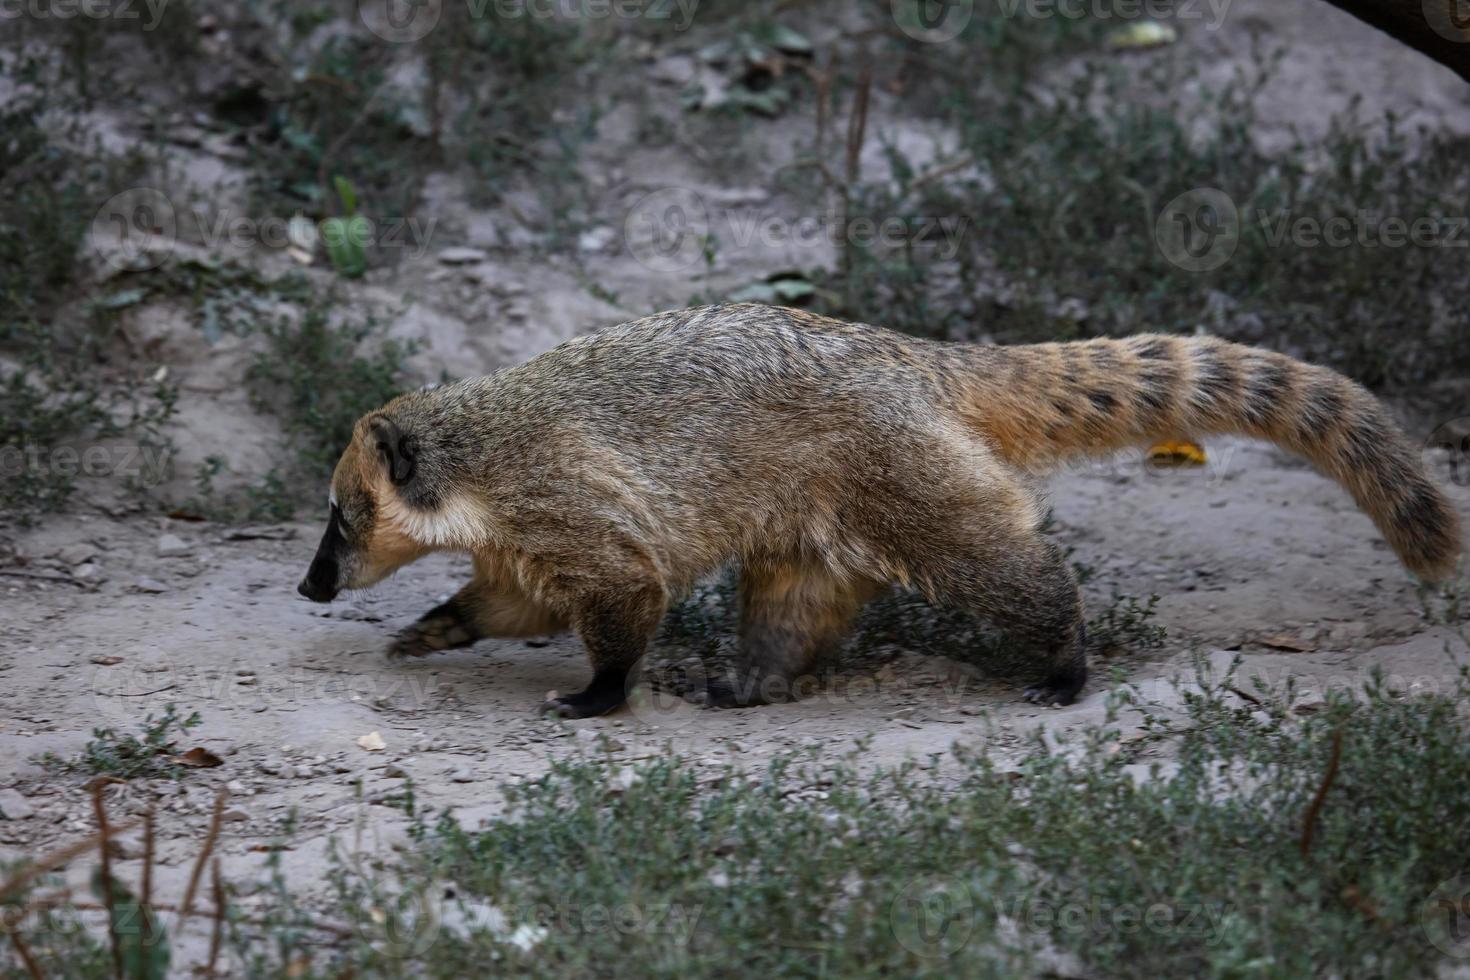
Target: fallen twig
1243, 695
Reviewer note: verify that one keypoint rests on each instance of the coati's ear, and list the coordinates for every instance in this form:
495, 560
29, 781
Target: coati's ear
398, 449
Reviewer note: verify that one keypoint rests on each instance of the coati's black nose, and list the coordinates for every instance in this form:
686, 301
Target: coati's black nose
315, 591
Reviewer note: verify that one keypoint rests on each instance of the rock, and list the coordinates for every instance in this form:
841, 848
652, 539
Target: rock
462, 256
271, 767
234, 815
596, 239
625, 779
150, 586
394, 771
13, 806
88, 572
77, 554
596, 738
173, 546
462, 776
674, 69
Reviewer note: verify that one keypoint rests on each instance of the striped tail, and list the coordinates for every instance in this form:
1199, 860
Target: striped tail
1044, 404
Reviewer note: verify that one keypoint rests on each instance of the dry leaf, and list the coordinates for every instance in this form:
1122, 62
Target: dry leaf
1290, 643
199, 758
372, 741
107, 661
1173, 454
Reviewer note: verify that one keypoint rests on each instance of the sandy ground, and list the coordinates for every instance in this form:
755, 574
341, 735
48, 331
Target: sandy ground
115, 613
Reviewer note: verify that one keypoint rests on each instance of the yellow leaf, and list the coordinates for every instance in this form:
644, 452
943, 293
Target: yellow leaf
1177, 454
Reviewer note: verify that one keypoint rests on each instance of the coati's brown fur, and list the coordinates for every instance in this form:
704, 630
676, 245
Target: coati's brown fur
599, 480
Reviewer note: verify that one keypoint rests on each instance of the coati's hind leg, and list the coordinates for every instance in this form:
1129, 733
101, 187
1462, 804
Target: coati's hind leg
489, 605
1022, 582
792, 616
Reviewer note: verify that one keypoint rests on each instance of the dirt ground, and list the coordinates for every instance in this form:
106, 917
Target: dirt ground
117, 613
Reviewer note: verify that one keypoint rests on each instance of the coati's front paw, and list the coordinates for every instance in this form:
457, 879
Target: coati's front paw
1059, 689
429, 636
608, 690
583, 704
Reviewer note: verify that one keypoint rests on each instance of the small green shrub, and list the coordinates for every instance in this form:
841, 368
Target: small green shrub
1066, 860
129, 756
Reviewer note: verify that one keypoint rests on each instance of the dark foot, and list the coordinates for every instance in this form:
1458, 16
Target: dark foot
441, 628
606, 692
1059, 689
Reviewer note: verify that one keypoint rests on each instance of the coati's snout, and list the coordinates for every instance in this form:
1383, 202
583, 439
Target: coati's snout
324, 578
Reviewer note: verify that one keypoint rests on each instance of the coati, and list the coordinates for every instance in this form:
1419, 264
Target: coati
595, 482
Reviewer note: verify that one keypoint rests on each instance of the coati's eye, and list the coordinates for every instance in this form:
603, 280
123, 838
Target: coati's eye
343, 527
